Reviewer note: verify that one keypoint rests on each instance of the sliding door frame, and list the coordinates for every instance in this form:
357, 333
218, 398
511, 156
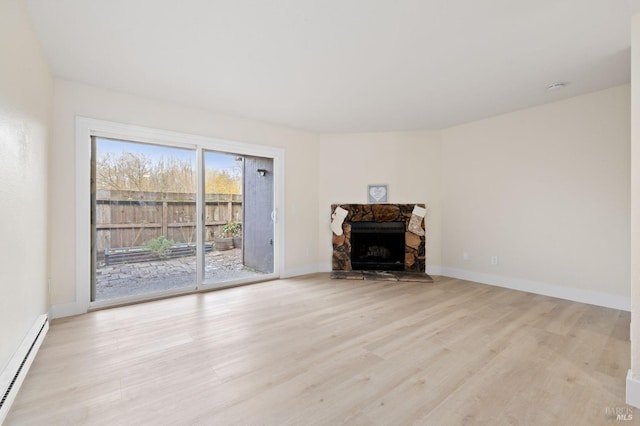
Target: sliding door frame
88, 127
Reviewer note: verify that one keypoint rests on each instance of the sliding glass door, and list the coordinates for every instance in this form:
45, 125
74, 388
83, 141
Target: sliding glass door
170, 219
238, 217
144, 219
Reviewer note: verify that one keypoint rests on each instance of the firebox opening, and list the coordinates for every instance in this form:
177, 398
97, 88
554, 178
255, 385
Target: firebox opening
377, 246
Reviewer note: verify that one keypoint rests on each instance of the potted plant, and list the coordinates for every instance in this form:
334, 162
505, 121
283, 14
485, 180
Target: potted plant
235, 228
225, 240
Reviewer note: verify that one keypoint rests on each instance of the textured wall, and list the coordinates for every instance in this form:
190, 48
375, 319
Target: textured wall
25, 120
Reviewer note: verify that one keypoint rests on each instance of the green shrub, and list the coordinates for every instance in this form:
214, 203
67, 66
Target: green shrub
160, 246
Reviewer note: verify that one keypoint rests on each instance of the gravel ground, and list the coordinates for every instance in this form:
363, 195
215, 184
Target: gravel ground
138, 278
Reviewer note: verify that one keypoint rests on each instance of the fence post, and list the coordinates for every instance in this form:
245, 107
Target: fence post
230, 211
165, 220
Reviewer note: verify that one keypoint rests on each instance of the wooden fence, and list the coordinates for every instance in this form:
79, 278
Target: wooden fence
131, 218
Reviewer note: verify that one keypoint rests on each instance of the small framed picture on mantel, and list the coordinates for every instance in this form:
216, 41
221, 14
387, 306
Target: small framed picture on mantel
377, 194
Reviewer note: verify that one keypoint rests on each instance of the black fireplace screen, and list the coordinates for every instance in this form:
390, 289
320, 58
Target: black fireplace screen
377, 246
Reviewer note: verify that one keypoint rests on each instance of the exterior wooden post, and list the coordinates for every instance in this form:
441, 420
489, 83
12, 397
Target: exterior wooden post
165, 220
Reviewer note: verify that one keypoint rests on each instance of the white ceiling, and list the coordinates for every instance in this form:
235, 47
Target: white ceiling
342, 65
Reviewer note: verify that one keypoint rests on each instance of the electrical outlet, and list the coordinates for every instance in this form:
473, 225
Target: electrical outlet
494, 260
465, 256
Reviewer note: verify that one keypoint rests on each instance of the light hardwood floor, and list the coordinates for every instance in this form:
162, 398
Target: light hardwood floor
312, 350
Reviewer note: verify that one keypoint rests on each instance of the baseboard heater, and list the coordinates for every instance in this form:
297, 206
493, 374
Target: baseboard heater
13, 375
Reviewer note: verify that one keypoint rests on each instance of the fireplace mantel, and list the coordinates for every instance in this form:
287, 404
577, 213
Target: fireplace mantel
415, 259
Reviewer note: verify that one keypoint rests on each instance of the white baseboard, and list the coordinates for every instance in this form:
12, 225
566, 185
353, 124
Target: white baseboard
302, 270
591, 297
633, 390
575, 294
16, 370
66, 310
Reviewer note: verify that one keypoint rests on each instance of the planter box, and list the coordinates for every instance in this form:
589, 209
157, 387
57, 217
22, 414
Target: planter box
237, 242
116, 256
222, 244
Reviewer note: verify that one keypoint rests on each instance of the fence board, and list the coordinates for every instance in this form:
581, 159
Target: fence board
131, 219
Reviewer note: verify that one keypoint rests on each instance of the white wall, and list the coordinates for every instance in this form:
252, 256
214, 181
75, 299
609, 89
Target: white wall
408, 162
75, 99
546, 190
633, 378
26, 90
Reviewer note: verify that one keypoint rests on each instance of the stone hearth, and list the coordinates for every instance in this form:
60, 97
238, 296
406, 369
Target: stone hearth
382, 276
414, 259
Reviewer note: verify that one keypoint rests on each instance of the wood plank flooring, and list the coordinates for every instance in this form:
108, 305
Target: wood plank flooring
312, 350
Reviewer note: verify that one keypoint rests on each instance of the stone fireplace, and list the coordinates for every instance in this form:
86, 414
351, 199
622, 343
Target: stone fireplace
380, 242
